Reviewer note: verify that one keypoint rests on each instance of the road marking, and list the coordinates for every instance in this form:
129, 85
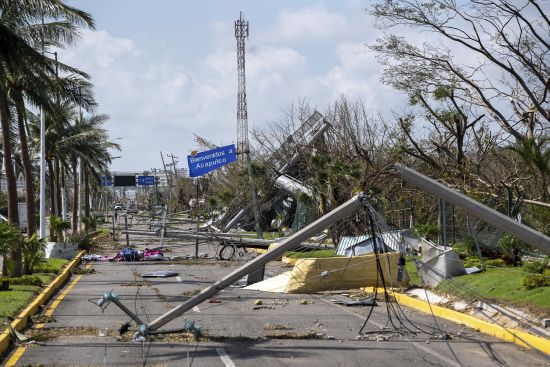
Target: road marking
178, 278
441, 357
196, 309
21, 349
225, 358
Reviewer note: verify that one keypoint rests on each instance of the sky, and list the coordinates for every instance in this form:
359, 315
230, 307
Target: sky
166, 69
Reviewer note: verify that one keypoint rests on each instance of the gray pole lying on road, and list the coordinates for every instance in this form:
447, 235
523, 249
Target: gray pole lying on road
126, 227
491, 216
343, 211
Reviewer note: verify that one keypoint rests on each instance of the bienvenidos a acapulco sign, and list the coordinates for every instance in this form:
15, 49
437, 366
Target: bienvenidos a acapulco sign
204, 162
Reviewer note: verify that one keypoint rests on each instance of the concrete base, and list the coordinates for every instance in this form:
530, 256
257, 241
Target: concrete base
61, 250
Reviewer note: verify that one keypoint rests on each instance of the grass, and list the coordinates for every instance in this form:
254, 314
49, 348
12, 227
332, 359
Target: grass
502, 285
56, 263
312, 254
266, 235
16, 298
414, 278
20, 295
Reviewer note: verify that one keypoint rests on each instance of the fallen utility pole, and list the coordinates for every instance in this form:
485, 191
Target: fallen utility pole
489, 215
343, 211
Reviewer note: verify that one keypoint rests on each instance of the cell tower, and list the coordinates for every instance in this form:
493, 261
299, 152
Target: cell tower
241, 32
243, 148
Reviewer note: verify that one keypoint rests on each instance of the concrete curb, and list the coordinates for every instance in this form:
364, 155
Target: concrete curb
22, 319
521, 338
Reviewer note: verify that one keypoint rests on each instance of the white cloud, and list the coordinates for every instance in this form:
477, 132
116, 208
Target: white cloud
309, 24
157, 103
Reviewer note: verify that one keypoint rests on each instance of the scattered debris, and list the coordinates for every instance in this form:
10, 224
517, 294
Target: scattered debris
214, 300
258, 302
263, 308
370, 301
124, 328
57, 332
136, 283
82, 270
294, 335
160, 274
18, 337
191, 292
303, 302
42, 319
273, 327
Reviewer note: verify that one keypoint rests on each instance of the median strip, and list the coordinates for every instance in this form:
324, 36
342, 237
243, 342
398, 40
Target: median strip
22, 319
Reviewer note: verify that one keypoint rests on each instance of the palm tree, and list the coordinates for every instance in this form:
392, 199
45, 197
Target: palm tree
86, 141
21, 64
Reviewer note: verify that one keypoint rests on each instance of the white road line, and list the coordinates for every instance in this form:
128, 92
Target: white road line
196, 309
225, 358
178, 278
442, 358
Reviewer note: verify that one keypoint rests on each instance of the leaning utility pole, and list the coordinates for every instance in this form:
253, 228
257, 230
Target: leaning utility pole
243, 146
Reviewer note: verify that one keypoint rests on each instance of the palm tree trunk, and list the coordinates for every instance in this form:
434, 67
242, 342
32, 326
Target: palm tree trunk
86, 195
64, 192
57, 188
75, 196
52, 188
13, 215
27, 166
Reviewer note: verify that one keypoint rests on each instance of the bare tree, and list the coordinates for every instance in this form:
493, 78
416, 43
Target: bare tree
492, 54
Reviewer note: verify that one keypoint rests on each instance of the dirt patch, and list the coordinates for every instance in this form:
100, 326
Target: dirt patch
222, 338
274, 327
294, 335
82, 270
53, 333
190, 293
42, 319
136, 283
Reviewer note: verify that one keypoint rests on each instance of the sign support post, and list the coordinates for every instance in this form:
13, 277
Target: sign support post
197, 219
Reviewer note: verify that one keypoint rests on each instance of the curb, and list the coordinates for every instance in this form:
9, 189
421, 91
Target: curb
519, 337
22, 320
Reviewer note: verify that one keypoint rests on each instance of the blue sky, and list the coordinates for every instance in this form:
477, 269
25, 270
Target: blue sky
166, 69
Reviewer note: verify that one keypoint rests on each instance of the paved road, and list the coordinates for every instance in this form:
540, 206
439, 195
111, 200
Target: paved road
242, 334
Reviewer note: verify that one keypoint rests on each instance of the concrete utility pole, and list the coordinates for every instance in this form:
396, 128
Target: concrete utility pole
489, 215
243, 146
174, 162
343, 211
168, 175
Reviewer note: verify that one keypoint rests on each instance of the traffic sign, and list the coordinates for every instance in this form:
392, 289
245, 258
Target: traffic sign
146, 180
204, 162
105, 181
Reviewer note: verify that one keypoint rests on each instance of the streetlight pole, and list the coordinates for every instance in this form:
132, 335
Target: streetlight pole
42, 207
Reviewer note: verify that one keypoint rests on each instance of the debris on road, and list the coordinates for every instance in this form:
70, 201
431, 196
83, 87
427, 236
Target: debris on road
274, 327
369, 301
160, 274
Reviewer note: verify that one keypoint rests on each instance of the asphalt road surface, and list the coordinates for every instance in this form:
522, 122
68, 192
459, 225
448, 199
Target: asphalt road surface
283, 331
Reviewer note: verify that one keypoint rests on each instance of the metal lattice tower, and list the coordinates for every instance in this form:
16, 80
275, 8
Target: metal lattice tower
241, 32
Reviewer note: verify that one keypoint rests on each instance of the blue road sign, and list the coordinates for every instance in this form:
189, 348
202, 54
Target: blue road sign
146, 180
105, 181
204, 162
